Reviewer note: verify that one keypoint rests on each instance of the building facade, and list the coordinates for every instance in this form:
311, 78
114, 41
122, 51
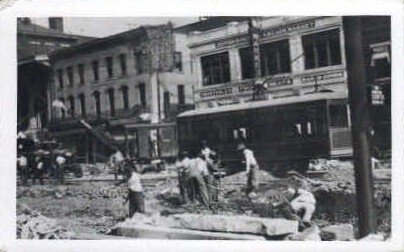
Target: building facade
34, 43
130, 85
290, 55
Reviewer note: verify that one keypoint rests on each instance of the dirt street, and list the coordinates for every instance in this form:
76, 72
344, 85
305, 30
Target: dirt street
98, 206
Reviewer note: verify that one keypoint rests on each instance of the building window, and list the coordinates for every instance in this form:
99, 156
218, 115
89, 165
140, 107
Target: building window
82, 100
72, 106
62, 110
322, 49
70, 75
181, 94
178, 61
59, 73
142, 94
81, 73
141, 62
275, 58
247, 62
125, 97
382, 68
97, 102
109, 65
215, 69
166, 102
122, 60
95, 65
111, 99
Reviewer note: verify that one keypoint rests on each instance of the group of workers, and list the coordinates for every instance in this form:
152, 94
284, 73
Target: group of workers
195, 179
195, 175
37, 165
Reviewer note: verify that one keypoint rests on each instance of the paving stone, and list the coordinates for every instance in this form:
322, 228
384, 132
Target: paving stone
151, 232
342, 232
234, 224
309, 234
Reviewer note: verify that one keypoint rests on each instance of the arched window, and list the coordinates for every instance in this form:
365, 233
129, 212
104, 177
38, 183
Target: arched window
97, 103
111, 99
82, 99
125, 97
72, 105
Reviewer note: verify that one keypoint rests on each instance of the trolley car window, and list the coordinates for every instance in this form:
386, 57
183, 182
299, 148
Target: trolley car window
338, 115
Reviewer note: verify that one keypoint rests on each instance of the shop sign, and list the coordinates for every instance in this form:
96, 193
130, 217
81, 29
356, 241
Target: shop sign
322, 77
289, 28
216, 92
231, 42
377, 96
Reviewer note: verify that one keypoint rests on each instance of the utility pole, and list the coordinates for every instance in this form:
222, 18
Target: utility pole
360, 120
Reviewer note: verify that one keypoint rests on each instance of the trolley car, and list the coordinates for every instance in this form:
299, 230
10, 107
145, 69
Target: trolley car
284, 133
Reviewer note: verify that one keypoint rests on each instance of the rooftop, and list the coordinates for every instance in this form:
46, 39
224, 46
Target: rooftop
266, 103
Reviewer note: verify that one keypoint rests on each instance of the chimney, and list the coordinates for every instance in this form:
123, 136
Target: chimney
56, 24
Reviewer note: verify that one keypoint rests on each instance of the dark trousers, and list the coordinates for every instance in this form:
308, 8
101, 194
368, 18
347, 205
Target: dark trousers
199, 187
184, 187
136, 203
60, 171
37, 174
252, 180
24, 173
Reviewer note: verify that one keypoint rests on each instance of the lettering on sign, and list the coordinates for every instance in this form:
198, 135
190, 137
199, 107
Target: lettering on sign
377, 96
321, 77
231, 42
279, 81
216, 92
289, 28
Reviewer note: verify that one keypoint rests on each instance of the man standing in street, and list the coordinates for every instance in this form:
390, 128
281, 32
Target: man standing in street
252, 169
117, 160
197, 174
60, 167
135, 197
183, 165
22, 166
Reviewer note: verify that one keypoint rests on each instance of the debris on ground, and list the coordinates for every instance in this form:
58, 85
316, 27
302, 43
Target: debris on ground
33, 225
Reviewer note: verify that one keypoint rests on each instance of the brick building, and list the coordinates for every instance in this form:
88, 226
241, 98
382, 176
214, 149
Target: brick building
291, 55
34, 43
130, 85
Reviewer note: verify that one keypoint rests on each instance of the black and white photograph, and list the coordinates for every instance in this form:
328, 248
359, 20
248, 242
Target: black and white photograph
147, 126
204, 128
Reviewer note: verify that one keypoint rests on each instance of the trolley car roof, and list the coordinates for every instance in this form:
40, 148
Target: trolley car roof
266, 103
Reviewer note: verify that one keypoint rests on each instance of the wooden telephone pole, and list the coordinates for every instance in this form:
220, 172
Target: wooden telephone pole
360, 123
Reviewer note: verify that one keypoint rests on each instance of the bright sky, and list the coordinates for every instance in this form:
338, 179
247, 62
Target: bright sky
105, 26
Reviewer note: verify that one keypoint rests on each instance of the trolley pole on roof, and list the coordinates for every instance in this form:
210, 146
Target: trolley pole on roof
360, 120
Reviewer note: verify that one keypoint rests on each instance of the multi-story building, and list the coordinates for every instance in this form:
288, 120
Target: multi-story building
131, 85
34, 43
290, 55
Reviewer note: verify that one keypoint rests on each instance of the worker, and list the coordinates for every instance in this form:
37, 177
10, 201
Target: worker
135, 196
252, 169
117, 160
60, 167
22, 166
183, 165
303, 201
197, 181
208, 155
38, 170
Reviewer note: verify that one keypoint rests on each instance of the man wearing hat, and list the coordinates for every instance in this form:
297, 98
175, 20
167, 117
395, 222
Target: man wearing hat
252, 169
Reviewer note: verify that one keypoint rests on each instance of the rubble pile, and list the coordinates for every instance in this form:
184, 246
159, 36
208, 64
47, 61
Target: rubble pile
33, 225
240, 178
71, 191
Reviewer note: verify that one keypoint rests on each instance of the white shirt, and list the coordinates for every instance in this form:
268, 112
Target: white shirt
201, 166
249, 159
304, 196
206, 152
134, 183
117, 158
22, 161
60, 160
